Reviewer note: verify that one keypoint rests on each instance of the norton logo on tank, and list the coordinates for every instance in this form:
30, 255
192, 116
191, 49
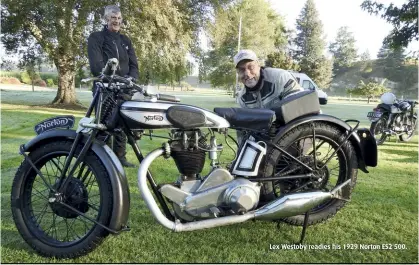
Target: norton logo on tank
153, 118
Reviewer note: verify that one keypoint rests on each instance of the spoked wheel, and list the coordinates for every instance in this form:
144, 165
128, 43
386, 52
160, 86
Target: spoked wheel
378, 130
412, 128
52, 222
332, 166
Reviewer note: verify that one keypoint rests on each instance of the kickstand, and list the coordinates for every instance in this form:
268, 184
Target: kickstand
303, 233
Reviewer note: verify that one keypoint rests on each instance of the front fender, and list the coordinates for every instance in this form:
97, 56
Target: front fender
120, 188
362, 140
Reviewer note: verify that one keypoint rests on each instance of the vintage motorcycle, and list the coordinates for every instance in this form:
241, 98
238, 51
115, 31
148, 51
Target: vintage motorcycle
393, 117
293, 165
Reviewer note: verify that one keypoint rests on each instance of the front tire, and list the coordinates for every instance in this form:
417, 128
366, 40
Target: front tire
342, 166
407, 137
50, 228
377, 130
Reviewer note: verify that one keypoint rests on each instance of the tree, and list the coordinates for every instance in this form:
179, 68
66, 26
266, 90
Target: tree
262, 30
370, 90
30, 62
365, 56
343, 50
60, 28
390, 62
404, 19
310, 46
162, 32
281, 59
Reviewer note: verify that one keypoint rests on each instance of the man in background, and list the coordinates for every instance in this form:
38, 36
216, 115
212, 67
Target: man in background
110, 43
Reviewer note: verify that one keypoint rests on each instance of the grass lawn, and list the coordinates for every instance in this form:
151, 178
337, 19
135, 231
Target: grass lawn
383, 209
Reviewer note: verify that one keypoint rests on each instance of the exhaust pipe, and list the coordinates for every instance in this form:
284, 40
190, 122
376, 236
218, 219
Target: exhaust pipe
289, 205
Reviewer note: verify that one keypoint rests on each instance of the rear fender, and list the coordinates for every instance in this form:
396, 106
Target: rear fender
120, 188
362, 140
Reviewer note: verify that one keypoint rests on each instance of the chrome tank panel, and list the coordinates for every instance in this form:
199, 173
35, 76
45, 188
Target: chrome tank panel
152, 115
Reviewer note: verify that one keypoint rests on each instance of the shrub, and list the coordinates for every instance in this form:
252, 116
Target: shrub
15, 74
39, 82
26, 79
369, 90
50, 82
185, 86
9, 80
48, 75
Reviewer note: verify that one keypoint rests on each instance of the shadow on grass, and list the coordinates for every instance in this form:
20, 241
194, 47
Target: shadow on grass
412, 156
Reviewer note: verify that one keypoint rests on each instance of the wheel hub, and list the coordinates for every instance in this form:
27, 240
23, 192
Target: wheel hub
75, 195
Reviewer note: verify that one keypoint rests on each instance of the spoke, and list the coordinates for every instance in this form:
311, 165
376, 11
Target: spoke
66, 236
56, 166
81, 170
42, 195
55, 227
42, 215
46, 168
49, 229
94, 206
88, 172
330, 169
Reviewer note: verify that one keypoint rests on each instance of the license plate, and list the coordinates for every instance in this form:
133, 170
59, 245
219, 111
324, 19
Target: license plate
374, 114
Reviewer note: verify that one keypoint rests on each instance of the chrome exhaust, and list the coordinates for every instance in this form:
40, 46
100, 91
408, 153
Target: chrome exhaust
289, 205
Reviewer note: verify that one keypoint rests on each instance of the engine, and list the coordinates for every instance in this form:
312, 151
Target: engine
217, 194
401, 122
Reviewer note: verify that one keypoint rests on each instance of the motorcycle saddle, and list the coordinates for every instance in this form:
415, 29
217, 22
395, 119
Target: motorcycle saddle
252, 119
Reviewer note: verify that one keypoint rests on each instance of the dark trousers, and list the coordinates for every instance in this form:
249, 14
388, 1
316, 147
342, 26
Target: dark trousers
119, 144
119, 140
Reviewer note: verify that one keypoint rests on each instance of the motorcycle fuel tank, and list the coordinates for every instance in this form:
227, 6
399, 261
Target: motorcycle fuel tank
165, 115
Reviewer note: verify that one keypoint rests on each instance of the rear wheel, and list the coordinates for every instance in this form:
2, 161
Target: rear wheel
377, 129
332, 169
48, 226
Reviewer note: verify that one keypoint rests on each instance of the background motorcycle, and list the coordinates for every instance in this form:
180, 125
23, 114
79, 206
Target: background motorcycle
71, 191
393, 117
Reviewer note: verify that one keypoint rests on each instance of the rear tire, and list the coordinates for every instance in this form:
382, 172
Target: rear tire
346, 159
48, 227
377, 129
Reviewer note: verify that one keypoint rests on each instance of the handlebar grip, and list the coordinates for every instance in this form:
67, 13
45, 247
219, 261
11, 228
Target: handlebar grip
167, 98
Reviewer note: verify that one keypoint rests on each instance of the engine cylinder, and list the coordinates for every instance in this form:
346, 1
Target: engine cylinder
189, 162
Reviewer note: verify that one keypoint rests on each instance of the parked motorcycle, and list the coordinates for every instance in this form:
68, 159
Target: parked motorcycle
293, 164
393, 117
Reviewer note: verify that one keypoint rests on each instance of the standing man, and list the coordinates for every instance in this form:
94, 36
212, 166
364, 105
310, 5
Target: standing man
106, 44
263, 87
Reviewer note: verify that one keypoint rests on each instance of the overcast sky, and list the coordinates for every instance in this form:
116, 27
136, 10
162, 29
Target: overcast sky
368, 30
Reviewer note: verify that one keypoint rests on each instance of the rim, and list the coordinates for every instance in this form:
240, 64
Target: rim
52, 222
378, 130
333, 173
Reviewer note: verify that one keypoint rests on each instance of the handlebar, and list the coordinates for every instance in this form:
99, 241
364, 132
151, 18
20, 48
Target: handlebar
126, 83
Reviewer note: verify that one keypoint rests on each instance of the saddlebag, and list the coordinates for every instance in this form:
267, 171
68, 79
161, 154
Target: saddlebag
297, 105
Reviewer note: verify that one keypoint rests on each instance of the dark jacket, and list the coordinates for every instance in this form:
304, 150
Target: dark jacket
103, 45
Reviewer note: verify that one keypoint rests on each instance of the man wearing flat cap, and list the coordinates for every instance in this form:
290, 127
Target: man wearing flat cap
263, 87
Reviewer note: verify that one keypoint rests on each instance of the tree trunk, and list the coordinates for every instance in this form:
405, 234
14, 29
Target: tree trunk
369, 100
66, 93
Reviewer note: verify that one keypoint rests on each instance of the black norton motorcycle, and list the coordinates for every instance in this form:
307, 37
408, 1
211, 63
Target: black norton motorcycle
293, 164
399, 119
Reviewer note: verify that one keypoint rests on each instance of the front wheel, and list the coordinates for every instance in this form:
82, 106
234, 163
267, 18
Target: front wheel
377, 129
334, 167
49, 227
412, 128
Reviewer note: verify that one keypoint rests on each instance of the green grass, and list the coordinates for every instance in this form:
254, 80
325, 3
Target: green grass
383, 209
